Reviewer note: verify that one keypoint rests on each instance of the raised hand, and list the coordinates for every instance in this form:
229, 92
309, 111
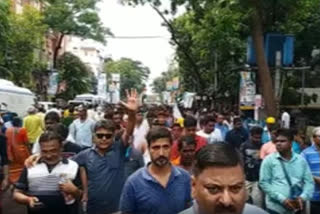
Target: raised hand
132, 103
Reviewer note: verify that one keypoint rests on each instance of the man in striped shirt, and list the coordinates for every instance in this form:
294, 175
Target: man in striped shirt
49, 187
312, 156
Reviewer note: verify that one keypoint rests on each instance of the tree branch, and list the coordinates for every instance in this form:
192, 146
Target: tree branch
183, 49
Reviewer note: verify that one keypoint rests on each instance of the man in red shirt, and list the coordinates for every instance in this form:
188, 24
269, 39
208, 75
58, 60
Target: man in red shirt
190, 129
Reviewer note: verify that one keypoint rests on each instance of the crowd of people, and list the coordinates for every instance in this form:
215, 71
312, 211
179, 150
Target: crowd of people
135, 159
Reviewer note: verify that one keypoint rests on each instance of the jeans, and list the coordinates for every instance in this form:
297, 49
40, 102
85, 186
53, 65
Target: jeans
256, 196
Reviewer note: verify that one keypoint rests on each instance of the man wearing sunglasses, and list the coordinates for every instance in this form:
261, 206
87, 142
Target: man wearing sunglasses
105, 162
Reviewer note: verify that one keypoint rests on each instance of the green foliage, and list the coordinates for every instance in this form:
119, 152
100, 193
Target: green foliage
74, 73
24, 42
159, 84
133, 74
75, 17
4, 28
218, 29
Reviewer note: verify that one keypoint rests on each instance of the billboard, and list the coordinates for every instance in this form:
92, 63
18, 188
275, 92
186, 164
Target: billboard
247, 89
102, 85
53, 83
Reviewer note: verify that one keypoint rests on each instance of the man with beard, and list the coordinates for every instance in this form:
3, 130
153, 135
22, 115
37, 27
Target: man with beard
218, 183
159, 187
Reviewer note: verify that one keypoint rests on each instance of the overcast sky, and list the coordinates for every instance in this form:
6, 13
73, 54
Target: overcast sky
126, 21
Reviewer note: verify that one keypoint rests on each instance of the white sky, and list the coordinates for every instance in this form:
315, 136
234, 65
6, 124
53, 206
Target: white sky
137, 21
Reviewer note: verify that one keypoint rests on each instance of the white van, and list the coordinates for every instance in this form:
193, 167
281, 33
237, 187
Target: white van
16, 99
48, 105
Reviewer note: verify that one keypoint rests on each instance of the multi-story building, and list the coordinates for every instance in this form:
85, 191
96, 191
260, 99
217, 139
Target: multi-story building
91, 52
18, 5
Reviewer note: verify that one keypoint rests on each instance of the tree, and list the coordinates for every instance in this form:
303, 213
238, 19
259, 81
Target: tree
133, 74
73, 17
24, 44
159, 83
4, 28
74, 76
211, 28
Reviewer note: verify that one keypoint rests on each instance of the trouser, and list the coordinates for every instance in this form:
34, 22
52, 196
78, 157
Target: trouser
315, 207
256, 196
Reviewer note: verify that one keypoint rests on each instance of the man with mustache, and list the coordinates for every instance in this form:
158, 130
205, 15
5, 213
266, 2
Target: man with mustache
218, 182
159, 187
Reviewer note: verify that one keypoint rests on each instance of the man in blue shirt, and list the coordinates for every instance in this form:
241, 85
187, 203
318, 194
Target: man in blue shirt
81, 129
105, 163
158, 188
312, 156
285, 177
221, 126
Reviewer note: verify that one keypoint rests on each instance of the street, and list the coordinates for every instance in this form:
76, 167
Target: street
11, 207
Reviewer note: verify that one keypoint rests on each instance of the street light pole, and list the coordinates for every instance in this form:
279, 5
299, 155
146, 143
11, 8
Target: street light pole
303, 86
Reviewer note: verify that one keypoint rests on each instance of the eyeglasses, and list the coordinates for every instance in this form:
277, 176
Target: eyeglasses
107, 136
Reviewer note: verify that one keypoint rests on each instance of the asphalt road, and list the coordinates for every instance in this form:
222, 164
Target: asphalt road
11, 207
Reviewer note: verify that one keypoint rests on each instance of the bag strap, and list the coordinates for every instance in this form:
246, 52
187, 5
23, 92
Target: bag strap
285, 173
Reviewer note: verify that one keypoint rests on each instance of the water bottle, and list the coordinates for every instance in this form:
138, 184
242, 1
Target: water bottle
67, 198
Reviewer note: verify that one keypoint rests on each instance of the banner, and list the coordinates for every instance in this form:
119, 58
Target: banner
102, 85
169, 86
247, 89
53, 83
115, 77
175, 83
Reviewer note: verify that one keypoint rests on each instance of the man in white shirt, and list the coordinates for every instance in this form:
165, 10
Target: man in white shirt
285, 120
208, 131
139, 135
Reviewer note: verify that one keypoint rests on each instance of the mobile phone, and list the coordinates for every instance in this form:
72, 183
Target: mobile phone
38, 205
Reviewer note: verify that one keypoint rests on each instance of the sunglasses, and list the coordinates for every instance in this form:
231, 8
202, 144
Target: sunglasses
107, 136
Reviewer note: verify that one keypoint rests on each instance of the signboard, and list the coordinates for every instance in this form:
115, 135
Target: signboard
102, 85
169, 86
247, 89
175, 83
53, 83
115, 77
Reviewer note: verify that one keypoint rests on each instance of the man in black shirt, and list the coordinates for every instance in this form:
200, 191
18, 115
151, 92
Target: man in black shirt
250, 151
237, 135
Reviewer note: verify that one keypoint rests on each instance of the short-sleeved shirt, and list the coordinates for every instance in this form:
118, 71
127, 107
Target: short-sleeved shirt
40, 182
267, 149
105, 177
312, 156
143, 194
251, 157
34, 126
